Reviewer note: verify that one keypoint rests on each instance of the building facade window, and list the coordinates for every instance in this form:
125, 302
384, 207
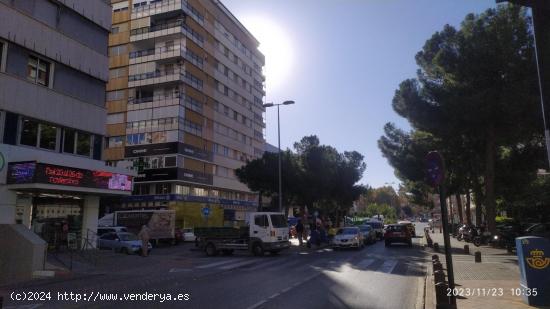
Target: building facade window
3, 53
162, 188
38, 71
37, 134
77, 142
115, 141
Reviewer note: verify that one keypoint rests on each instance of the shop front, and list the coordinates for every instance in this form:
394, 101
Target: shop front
60, 203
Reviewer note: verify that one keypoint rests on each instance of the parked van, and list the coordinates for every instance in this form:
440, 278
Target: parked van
111, 229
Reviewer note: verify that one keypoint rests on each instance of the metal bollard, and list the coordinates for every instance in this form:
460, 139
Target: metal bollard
466, 249
437, 266
436, 247
439, 276
441, 298
477, 255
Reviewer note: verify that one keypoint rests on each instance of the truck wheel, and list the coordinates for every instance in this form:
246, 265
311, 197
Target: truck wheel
227, 252
257, 249
211, 250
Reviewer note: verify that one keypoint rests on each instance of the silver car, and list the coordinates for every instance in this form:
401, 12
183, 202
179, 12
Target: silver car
122, 241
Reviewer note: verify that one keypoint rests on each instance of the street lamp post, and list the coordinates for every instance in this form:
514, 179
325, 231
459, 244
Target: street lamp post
279, 146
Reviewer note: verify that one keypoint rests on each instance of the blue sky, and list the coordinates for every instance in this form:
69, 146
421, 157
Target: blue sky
348, 57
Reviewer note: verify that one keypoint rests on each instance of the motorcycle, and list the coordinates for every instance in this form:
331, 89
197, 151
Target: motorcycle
483, 238
466, 233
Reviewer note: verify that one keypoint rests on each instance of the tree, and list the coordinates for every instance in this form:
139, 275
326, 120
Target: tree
475, 94
316, 176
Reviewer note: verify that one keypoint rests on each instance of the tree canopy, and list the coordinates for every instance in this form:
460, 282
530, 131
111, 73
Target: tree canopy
475, 100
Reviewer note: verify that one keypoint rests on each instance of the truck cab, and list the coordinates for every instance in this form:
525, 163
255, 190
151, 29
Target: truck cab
268, 232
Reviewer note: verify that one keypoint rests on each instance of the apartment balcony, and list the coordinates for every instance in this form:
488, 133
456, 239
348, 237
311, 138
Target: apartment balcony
157, 77
165, 53
166, 29
167, 6
155, 101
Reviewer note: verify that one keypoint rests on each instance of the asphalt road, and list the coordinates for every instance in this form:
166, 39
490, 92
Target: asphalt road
374, 277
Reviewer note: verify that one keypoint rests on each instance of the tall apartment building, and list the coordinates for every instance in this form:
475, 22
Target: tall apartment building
53, 75
184, 99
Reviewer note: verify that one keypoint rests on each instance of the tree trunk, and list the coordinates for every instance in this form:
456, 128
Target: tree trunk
459, 208
468, 210
490, 207
478, 197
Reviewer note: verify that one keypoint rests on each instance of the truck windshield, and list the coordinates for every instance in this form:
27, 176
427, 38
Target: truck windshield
278, 221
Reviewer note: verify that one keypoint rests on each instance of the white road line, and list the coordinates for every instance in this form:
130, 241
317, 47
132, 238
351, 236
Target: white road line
286, 290
258, 304
365, 263
264, 265
235, 265
217, 263
177, 270
274, 295
286, 265
388, 266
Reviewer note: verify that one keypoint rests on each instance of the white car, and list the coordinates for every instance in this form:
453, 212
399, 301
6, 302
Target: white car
348, 237
188, 234
122, 242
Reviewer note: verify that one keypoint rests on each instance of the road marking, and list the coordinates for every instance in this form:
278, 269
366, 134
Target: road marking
365, 263
177, 270
263, 265
217, 263
388, 266
235, 265
258, 304
274, 295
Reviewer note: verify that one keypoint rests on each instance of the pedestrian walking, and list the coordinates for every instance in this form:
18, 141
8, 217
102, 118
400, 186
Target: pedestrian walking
300, 231
144, 236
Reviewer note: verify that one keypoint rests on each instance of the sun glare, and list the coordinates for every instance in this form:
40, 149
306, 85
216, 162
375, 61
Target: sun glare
276, 46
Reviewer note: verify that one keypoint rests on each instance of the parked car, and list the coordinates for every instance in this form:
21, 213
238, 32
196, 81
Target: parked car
410, 226
188, 234
368, 233
348, 237
397, 233
539, 229
377, 226
178, 236
122, 242
110, 229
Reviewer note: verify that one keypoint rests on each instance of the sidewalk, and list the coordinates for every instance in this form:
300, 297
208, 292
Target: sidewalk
497, 270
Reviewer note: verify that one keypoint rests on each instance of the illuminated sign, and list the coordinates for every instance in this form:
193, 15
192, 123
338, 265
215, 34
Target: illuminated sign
32, 172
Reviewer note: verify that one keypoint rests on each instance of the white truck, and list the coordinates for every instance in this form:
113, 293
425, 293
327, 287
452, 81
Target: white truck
161, 223
264, 232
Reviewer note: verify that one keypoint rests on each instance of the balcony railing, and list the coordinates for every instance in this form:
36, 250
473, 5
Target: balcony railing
167, 6
156, 74
187, 54
190, 33
155, 98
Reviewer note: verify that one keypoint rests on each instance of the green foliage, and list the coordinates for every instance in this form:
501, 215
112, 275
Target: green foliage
474, 100
316, 175
385, 210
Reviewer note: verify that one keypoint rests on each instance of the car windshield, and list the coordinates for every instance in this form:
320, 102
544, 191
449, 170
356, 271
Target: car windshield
365, 228
395, 228
279, 221
127, 236
348, 231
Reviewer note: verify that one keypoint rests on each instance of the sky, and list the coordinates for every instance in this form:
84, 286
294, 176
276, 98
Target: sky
341, 62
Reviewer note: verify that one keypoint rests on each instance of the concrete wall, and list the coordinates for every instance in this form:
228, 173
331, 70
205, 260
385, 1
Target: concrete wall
23, 252
50, 105
44, 40
89, 220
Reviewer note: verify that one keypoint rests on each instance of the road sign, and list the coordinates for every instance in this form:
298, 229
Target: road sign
205, 211
435, 168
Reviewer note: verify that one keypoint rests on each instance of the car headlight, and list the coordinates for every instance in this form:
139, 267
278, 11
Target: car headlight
496, 237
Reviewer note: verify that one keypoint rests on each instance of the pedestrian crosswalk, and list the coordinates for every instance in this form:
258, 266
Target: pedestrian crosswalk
375, 263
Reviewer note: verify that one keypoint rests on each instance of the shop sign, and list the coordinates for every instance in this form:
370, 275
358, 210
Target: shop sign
33, 172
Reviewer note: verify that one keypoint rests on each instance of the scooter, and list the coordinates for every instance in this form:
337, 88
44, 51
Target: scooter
483, 238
